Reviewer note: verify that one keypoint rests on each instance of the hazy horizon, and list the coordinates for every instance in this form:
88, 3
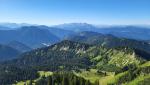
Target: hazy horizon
97, 12
98, 25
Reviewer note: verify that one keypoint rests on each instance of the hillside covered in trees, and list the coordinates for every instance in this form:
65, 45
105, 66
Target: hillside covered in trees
74, 63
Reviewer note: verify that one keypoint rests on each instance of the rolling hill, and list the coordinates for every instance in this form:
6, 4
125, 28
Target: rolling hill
19, 46
7, 53
131, 32
61, 33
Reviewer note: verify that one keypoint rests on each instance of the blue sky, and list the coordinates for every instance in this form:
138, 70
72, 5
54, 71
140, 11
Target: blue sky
51, 12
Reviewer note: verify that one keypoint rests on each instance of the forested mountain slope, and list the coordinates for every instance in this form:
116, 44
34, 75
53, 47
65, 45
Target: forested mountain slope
74, 56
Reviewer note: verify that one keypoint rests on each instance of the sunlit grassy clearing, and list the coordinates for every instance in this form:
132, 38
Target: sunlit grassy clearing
91, 75
145, 64
111, 79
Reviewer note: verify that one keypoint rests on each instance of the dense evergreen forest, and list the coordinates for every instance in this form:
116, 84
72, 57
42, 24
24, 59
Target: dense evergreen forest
73, 63
63, 78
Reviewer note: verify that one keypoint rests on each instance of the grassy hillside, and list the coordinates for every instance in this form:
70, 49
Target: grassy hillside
113, 59
136, 76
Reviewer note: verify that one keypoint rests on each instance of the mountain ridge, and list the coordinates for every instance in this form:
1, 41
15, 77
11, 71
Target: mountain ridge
68, 55
8, 53
109, 41
32, 36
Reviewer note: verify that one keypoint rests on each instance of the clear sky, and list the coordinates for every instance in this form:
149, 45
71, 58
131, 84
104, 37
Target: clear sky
50, 12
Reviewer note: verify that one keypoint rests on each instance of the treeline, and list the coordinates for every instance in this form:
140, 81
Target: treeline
11, 74
63, 78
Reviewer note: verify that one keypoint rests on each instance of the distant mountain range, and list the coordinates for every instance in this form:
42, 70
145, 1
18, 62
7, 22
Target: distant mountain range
60, 33
31, 36
77, 27
9, 26
131, 32
64, 30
